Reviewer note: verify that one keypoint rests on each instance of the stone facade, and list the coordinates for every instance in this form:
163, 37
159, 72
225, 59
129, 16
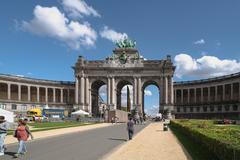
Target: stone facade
124, 67
19, 94
209, 98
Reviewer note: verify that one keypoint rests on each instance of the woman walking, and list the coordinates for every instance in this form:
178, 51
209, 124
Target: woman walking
22, 133
3, 132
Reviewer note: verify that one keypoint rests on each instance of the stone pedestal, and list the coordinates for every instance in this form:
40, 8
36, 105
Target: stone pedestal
168, 111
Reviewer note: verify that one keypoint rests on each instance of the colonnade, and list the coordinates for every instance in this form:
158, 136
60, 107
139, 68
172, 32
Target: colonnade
207, 94
11, 91
83, 95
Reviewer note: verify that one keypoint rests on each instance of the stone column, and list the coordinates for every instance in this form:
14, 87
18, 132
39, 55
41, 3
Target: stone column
181, 96
161, 91
175, 96
135, 92
223, 92
9, 91
54, 95
239, 91
76, 89
37, 93
201, 94
209, 94
113, 93
188, 94
82, 92
86, 92
109, 91
139, 95
61, 95
29, 93
171, 89
231, 96
195, 95
19, 92
90, 100
166, 89
46, 95
216, 94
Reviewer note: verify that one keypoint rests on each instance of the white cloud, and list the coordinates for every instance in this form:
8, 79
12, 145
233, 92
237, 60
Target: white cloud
204, 67
20, 75
49, 21
147, 92
112, 35
153, 110
201, 41
103, 91
79, 8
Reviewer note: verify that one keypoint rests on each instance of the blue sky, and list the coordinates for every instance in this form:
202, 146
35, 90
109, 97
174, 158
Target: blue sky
202, 36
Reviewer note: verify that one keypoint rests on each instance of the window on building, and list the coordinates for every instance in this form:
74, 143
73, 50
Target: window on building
14, 107
3, 106
205, 108
191, 109
24, 107
227, 107
184, 109
219, 108
235, 107
212, 108
178, 109
198, 109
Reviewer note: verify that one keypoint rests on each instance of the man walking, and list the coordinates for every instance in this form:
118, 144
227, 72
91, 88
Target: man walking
3, 132
130, 128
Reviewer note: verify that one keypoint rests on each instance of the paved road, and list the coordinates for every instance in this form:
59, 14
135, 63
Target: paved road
88, 145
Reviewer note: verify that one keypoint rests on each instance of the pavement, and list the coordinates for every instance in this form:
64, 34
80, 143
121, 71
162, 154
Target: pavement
77, 143
152, 143
56, 132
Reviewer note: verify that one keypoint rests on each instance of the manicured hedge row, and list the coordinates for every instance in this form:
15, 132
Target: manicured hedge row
223, 142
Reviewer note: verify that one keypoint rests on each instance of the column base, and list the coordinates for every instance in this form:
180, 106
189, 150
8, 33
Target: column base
168, 111
78, 106
112, 107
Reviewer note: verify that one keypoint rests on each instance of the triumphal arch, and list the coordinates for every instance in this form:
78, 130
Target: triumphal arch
124, 67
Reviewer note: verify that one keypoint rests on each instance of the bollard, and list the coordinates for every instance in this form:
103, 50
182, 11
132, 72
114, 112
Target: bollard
165, 127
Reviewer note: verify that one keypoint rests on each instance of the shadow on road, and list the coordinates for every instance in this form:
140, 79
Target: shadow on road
117, 139
10, 153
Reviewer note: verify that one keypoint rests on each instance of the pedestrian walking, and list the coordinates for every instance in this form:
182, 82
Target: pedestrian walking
130, 128
22, 133
4, 126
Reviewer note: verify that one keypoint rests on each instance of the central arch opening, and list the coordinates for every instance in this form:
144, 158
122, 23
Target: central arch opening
98, 93
151, 98
124, 95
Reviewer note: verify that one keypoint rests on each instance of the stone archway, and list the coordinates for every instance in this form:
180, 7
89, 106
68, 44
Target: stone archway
96, 85
124, 66
120, 86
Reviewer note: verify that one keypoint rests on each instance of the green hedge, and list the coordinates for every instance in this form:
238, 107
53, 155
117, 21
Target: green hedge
222, 141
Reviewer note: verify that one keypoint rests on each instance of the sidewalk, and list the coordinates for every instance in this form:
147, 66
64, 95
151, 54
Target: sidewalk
56, 132
152, 143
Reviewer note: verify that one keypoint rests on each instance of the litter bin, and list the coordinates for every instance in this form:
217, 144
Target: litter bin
165, 127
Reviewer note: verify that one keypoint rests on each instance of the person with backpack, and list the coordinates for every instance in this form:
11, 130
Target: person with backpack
4, 126
22, 133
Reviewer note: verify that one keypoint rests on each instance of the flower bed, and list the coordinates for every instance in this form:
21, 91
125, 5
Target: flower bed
221, 140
